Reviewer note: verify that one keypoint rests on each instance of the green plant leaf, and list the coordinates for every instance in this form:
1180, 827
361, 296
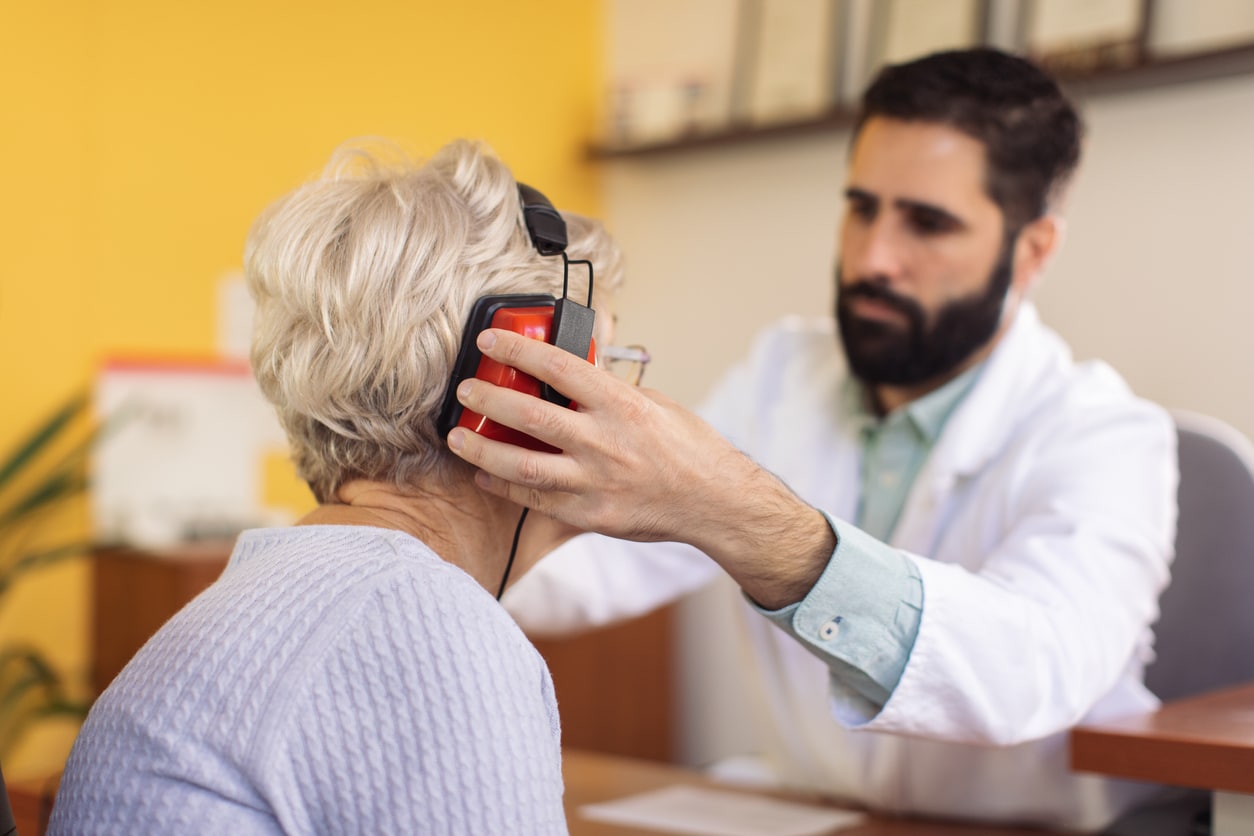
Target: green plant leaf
56, 487
42, 436
21, 660
30, 689
36, 560
36, 478
64, 479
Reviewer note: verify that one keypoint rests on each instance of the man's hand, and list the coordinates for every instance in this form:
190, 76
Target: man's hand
638, 466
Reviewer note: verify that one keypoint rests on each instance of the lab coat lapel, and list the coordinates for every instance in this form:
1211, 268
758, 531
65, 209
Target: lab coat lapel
1007, 391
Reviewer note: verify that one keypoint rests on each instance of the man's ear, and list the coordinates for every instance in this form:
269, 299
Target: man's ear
1036, 244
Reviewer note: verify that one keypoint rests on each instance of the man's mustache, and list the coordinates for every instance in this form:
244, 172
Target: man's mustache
880, 292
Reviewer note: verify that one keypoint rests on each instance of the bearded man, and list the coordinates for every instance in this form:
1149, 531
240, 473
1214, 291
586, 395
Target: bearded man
950, 537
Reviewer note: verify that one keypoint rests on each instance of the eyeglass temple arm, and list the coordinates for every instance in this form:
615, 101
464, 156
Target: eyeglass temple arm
633, 353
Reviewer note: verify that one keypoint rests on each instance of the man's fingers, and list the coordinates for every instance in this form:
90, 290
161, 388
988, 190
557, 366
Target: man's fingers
550, 423
526, 477
573, 376
531, 470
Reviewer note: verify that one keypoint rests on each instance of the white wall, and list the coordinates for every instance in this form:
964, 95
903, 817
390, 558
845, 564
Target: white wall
1154, 278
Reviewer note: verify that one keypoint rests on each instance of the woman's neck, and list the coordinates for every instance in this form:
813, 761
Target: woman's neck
464, 526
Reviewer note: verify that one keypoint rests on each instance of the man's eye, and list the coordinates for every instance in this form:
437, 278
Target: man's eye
863, 210
927, 222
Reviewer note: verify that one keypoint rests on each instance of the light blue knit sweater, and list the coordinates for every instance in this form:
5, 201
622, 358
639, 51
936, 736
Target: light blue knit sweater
335, 679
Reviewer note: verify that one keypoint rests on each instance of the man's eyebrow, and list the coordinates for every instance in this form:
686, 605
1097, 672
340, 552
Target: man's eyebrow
905, 204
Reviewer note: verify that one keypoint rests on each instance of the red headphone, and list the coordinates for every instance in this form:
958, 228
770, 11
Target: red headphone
561, 321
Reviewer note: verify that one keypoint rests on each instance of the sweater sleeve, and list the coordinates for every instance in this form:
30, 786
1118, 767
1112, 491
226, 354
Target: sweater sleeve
448, 712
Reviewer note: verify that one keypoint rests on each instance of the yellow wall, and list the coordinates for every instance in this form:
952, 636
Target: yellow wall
140, 137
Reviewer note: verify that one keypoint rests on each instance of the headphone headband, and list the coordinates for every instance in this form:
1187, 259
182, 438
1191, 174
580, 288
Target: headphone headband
544, 224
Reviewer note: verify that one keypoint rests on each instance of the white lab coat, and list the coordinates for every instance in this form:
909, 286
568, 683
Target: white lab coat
1042, 525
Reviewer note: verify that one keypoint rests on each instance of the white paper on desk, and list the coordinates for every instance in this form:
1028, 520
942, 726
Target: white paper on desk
706, 812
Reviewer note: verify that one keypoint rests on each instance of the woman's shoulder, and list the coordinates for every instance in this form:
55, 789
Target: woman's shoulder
369, 584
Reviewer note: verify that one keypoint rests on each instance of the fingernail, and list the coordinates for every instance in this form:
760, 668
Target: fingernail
463, 389
486, 340
456, 439
482, 479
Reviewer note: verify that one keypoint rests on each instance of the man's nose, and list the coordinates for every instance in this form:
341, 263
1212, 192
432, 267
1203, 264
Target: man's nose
878, 250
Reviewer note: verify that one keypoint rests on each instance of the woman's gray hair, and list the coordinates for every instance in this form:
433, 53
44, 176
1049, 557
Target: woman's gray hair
363, 280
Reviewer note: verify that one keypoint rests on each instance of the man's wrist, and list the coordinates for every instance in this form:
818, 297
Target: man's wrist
769, 540
786, 572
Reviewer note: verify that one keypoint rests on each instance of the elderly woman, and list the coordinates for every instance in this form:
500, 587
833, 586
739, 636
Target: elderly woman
354, 673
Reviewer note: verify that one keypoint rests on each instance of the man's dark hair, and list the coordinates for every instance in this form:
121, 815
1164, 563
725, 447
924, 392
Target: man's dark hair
1030, 131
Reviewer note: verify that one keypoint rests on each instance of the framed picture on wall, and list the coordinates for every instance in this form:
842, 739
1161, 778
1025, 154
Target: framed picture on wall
1075, 37
1003, 24
854, 49
790, 58
890, 31
671, 72
1185, 27
905, 29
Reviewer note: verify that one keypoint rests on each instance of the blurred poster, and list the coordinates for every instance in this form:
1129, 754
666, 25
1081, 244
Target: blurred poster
184, 459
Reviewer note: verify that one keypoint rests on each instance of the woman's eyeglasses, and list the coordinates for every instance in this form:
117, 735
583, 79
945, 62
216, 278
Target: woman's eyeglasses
626, 362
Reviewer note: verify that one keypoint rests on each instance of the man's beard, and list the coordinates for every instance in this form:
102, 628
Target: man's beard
886, 353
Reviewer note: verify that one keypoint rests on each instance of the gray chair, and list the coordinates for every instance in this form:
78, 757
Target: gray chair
1204, 639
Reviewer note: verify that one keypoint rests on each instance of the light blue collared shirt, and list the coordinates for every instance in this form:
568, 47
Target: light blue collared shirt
895, 447
862, 616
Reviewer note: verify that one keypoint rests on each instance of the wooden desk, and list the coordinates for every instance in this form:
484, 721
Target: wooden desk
1205, 742
590, 777
594, 777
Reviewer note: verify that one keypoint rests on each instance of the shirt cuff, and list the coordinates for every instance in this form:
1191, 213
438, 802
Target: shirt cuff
861, 617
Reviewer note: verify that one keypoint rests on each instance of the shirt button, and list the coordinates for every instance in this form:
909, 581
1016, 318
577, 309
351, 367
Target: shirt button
831, 629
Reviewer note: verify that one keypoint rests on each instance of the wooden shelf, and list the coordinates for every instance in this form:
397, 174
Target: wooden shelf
1148, 74
1164, 72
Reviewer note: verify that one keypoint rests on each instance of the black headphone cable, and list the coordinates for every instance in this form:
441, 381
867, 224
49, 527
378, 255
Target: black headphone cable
513, 550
